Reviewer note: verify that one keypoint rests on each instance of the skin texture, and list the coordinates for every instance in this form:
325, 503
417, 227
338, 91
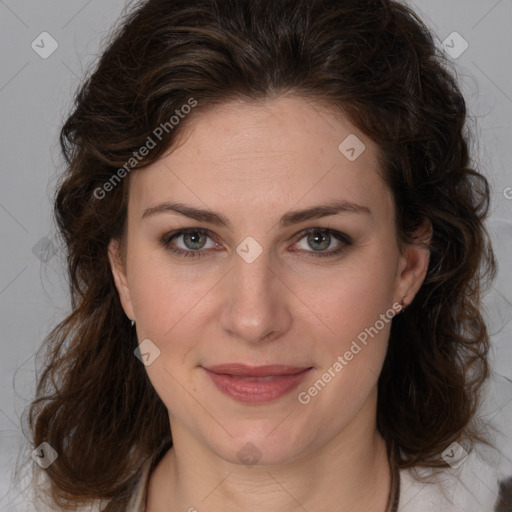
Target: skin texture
254, 162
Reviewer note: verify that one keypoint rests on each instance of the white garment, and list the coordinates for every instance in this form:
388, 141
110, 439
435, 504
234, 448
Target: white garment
471, 487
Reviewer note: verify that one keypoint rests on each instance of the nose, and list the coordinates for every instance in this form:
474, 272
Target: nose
256, 301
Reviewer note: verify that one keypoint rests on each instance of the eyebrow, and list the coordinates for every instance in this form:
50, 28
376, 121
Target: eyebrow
288, 219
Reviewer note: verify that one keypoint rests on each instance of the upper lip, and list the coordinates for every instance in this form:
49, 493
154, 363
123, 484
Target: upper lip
242, 370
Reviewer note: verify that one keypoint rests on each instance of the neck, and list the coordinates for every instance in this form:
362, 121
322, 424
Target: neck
349, 473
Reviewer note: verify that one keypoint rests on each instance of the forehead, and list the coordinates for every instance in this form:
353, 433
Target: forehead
262, 157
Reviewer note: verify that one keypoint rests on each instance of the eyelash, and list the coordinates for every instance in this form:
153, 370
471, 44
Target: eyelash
341, 237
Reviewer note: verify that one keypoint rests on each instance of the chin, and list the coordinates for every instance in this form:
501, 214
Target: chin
269, 446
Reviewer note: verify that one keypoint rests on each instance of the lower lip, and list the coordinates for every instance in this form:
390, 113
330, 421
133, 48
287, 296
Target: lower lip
254, 391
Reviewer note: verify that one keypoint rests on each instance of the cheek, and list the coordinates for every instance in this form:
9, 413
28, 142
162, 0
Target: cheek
351, 298
358, 295
167, 306
164, 294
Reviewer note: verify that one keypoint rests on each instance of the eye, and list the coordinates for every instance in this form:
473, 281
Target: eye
193, 241
320, 239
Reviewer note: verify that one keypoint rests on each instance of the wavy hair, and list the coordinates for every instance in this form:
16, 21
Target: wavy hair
375, 61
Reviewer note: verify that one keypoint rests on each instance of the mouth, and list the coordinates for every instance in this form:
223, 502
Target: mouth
257, 384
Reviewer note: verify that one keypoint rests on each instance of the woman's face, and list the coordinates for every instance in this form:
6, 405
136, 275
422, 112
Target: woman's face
247, 285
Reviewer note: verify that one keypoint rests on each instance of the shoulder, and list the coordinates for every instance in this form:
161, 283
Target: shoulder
472, 485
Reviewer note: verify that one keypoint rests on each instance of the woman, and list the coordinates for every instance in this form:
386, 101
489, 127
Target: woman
277, 255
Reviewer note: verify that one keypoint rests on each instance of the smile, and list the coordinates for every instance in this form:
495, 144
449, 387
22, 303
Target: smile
256, 384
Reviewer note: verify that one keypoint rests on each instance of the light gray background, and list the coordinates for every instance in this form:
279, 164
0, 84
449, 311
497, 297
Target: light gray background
35, 96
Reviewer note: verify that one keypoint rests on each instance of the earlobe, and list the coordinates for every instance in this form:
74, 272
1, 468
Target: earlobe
119, 273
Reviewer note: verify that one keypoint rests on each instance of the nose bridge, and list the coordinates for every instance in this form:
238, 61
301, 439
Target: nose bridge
252, 280
255, 303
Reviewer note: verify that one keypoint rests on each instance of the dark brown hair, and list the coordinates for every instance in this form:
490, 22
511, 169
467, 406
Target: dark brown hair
376, 62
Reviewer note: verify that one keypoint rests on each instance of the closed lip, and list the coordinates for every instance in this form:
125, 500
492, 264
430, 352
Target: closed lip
243, 370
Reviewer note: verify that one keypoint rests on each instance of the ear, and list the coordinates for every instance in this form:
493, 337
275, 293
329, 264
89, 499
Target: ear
413, 264
119, 273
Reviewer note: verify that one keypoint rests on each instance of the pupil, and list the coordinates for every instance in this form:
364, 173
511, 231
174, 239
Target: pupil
319, 237
193, 237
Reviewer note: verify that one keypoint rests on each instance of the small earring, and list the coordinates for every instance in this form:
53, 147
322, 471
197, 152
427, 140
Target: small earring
402, 303
133, 323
